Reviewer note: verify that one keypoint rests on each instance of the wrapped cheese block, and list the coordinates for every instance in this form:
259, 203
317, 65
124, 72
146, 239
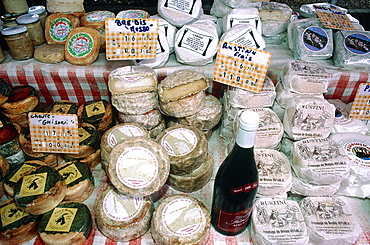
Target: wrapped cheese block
179, 14
132, 13
168, 29
24, 98
275, 17
68, 223
96, 19
249, 16
278, 110
308, 117
79, 180
138, 166
58, 26
149, 119
5, 90
305, 77
180, 219
49, 53
238, 3
196, 43
121, 217
40, 190
10, 148
329, 220
275, 177
82, 46
219, 9
352, 49
98, 113
16, 226
278, 221
244, 35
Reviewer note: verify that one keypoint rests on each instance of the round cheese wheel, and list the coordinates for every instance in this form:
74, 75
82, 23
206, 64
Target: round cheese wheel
40, 190
98, 113
58, 26
154, 132
121, 217
24, 98
25, 142
91, 160
133, 13
9, 143
180, 219
62, 107
20, 119
96, 18
49, 53
79, 180
4, 167
138, 166
16, 225
135, 103
149, 120
5, 90
68, 223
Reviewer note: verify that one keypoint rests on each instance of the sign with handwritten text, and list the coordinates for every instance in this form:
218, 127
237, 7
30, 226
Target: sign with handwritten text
241, 67
333, 18
53, 132
361, 105
128, 39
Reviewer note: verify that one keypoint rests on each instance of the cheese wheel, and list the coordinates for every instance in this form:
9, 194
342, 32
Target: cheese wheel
49, 53
154, 132
74, 7
96, 18
4, 167
25, 142
79, 180
10, 148
149, 120
62, 107
40, 190
24, 98
121, 217
82, 46
135, 103
180, 219
138, 166
58, 26
5, 90
16, 225
68, 223
133, 13
98, 113
19, 119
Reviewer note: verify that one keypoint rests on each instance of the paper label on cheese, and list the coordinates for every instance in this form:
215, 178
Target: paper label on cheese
123, 132
196, 41
80, 45
185, 6
33, 184
358, 151
83, 134
60, 108
121, 207
59, 29
357, 43
242, 20
25, 167
246, 38
11, 213
61, 219
315, 38
182, 217
137, 167
179, 142
70, 173
94, 109
98, 16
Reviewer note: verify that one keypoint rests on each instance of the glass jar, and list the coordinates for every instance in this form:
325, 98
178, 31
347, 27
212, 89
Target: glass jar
19, 42
41, 11
9, 19
16, 6
34, 28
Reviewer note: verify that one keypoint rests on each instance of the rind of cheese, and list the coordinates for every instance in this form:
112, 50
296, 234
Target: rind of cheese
96, 18
20, 119
89, 140
135, 103
62, 106
149, 120
98, 113
50, 25
25, 142
49, 53
5, 90
273, 11
181, 84
168, 228
154, 132
65, 7
24, 98
121, 217
133, 13
138, 166
132, 79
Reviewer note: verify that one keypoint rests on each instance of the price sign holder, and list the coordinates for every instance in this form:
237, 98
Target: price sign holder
333, 18
241, 67
361, 105
128, 39
53, 132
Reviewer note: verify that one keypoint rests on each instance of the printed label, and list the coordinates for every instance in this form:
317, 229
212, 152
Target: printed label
61, 108
185, 6
80, 45
25, 167
11, 213
120, 133
179, 142
244, 189
61, 219
233, 222
70, 173
360, 108
33, 184
99, 16
315, 38
357, 43
358, 151
83, 134
60, 29
195, 41
132, 14
246, 39
245, 21
95, 108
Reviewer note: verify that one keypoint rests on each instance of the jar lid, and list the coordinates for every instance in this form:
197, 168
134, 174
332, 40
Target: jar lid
39, 9
13, 30
9, 17
28, 18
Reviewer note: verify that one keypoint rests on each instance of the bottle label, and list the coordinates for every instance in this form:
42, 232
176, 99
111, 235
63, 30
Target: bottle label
233, 222
244, 189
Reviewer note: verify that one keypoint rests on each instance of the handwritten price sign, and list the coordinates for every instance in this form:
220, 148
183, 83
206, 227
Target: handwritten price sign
333, 18
53, 132
361, 105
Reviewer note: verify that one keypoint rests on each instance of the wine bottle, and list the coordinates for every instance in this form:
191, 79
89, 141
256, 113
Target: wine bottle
236, 182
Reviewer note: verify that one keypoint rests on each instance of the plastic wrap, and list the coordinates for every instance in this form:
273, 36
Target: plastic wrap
275, 18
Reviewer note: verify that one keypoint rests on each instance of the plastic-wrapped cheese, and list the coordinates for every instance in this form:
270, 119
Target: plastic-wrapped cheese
180, 13
352, 49
305, 77
244, 35
196, 43
275, 17
168, 29
329, 220
249, 16
278, 221
219, 9
275, 177
309, 11
58, 26
180, 219
121, 217
308, 117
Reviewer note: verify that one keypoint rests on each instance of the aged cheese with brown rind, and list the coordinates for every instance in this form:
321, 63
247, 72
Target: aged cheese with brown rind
49, 53
24, 98
58, 26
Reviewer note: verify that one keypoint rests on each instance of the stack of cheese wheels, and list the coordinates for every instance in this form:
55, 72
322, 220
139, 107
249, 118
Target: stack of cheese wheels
182, 93
134, 94
24, 99
17, 226
180, 219
10, 148
115, 135
58, 26
122, 217
4, 167
74, 7
191, 162
68, 223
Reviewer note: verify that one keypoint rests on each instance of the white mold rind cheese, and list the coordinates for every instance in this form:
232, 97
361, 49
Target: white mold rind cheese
244, 35
184, 107
149, 120
180, 219
121, 217
138, 166
275, 17
179, 14
278, 221
135, 103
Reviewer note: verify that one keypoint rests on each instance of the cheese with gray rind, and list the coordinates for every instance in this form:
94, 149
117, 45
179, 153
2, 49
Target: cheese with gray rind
244, 35
135, 103
138, 166
180, 219
275, 17
149, 120
121, 217
154, 132
184, 107
180, 13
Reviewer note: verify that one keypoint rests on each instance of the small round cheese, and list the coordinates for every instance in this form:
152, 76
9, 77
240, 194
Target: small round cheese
149, 120
58, 26
24, 98
20, 119
68, 223
180, 219
154, 132
49, 53
121, 217
138, 166
10, 148
98, 113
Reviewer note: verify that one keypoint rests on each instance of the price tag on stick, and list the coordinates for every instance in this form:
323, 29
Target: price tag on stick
241, 67
53, 132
